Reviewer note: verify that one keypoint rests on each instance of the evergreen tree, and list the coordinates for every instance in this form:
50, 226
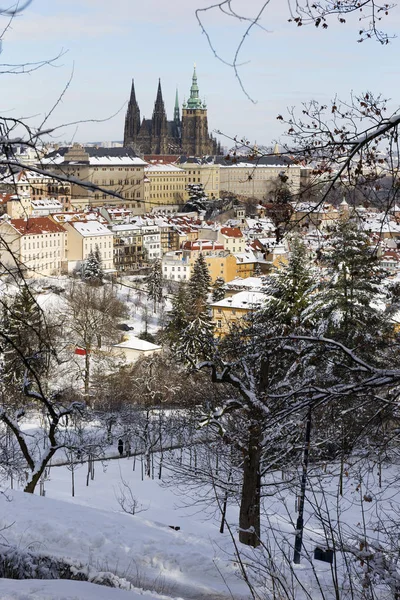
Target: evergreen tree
92, 268
154, 283
288, 290
257, 270
190, 331
179, 315
218, 292
199, 286
197, 197
196, 341
344, 307
24, 328
97, 255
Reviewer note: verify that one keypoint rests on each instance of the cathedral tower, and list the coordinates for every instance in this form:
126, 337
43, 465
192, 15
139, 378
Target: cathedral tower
132, 119
159, 127
195, 138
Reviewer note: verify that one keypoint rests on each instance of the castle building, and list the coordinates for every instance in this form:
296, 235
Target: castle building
158, 136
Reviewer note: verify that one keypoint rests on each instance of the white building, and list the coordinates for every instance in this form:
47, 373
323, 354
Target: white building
151, 241
232, 239
176, 266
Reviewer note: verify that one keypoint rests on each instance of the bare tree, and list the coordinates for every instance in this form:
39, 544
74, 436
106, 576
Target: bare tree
93, 313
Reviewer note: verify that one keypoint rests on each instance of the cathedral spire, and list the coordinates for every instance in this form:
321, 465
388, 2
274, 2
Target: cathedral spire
159, 100
177, 117
132, 119
159, 128
194, 100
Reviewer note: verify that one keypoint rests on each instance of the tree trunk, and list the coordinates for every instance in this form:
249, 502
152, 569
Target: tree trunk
249, 516
87, 375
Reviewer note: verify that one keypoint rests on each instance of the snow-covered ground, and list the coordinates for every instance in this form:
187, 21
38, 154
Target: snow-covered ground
91, 529
51, 589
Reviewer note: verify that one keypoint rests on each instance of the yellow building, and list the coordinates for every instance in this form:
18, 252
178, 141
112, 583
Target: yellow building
204, 173
84, 237
117, 171
165, 186
178, 265
230, 310
221, 264
35, 186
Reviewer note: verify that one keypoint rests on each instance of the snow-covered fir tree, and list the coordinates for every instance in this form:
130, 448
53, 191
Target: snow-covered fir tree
288, 290
191, 328
178, 315
92, 269
345, 304
197, 197
154, 284
25, 336
218, 292
199, 286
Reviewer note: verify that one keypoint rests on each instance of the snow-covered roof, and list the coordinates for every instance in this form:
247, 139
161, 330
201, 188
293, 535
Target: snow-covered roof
46, 203
251, 283
162, 167
245, 257
244, 300
90, 228
135, 343
125, 227
95, 161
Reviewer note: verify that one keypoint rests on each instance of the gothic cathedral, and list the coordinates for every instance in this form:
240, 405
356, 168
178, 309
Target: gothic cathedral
188, 136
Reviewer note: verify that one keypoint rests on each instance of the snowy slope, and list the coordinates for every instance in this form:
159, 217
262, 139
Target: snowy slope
34, 589
146, 553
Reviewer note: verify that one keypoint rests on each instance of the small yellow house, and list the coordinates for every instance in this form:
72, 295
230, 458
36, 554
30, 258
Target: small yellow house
230, 310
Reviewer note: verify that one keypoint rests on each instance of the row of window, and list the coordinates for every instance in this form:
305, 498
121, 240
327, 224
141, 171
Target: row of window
118, 169
44, 244
177, 268
43, 255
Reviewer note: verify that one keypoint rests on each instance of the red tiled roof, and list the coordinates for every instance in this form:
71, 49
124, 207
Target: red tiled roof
36, 226
231, 232
257, 245
4, 198
202, 245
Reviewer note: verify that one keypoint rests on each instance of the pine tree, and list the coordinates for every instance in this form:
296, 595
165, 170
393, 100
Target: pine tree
92, 268
199, 286
257, 270
154, 284
24, 328
218, 292
288, 291
197, 197
344, 306
190, 330
196, 341
97, 255
178, 316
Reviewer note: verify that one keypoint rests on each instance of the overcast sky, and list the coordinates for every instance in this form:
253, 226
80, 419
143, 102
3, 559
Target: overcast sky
110, 41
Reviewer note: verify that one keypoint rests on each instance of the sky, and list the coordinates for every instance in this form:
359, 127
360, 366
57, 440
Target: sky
106, 43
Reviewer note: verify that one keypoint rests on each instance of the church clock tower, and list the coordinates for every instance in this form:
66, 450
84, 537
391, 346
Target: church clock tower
195, 138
